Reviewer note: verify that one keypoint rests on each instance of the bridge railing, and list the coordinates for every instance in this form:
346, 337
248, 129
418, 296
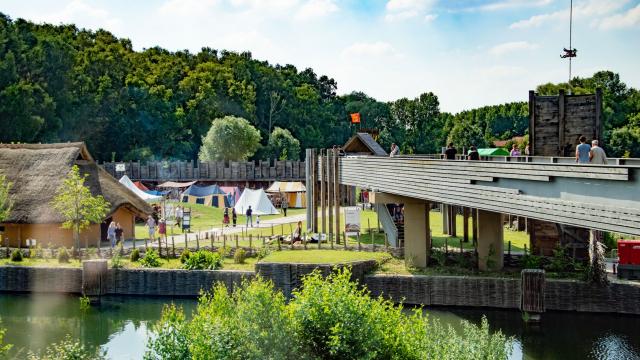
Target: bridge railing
628, 162
263, 170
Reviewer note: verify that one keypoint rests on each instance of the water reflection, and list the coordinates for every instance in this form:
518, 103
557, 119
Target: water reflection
121, 327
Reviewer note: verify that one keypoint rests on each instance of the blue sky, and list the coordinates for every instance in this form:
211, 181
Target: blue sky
468, 52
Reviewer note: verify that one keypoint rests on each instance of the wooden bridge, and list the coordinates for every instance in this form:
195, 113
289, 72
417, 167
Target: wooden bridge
160, 171
552, 189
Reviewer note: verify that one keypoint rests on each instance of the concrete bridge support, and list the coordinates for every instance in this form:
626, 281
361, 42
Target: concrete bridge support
490, 240
417, 234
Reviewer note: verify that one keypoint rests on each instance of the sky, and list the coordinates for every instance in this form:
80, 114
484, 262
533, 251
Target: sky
469, 53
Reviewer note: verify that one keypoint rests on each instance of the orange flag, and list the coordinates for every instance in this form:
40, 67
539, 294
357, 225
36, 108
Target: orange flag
355, 118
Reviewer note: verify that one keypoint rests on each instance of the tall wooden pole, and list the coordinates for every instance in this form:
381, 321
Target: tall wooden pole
336, 193
323, 190
316, 191
329, 173
465, 223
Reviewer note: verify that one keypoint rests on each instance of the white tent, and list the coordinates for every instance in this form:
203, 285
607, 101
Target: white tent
141, 194
258, 200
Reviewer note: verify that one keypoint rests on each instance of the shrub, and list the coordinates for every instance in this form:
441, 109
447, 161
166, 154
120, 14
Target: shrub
116, 259
529, 261
135, 255
3, 348
92, 253
239, 256
85, 303
439, 257
38, 252
263, 253
16, 255
68, 349
63, 255
328, 319
203, 260
185, 256
224, 251
559, 262
151, 259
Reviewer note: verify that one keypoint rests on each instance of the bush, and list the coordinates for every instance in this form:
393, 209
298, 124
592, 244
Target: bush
63, 255
151, 259
223, 251
328, 319
239, 256
263, 253
185, 256
116, 259
135, 255
16, 255
203, 260
3, 348
529, 261
68, 349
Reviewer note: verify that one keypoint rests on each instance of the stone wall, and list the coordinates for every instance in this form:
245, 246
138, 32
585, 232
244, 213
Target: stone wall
40, 279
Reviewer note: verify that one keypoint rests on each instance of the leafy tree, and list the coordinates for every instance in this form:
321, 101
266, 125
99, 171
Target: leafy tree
283, 145
5, 198
230, 138
77, 205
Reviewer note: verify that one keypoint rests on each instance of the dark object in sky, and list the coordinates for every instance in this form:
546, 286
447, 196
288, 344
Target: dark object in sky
569, 53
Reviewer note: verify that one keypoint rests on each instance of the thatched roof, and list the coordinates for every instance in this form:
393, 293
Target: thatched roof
37, 170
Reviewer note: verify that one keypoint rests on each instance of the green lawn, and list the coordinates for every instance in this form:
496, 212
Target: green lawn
40, 262
207, 217
323, 256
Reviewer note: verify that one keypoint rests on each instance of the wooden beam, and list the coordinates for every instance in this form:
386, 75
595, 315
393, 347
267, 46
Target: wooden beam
336, 192
532, 122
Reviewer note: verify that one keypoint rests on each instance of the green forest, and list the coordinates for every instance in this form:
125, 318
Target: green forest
61, 83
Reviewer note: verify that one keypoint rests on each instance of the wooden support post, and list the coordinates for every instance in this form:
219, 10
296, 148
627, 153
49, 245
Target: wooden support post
224, 242
279, 246
323, 190
358, 239
453, 216
344, 240
272, 230
304, 241
237, 242
173, 245
329, 161
386, 243
197, 241
211, 240
250, 241
264, 244
336, 192
465, 224
474, 226
186, 241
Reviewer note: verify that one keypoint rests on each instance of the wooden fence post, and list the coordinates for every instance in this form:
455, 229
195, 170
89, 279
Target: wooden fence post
173, 245
197, 241
186, 241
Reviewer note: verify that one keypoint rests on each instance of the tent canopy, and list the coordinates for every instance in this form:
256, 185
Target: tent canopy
124, 180
140, 186
233, 193
172, 184
493, 152
286, 186
199, 191
258, 200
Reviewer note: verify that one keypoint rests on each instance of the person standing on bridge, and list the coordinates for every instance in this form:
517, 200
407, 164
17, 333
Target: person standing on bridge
450, 153
514, 150
597, 154
582, 151
395, 150
473, 154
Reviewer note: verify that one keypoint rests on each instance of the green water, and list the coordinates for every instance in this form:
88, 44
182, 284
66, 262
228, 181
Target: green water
120, 326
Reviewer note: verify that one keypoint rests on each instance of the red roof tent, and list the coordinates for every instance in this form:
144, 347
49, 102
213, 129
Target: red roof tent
140, 186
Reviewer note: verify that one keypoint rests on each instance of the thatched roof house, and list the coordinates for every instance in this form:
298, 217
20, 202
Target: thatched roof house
37, 170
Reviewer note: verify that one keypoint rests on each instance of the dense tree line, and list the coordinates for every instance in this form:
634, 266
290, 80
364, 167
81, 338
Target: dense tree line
61, 83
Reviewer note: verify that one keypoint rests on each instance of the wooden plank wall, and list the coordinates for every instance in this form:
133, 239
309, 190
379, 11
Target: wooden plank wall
158, 171
557, 122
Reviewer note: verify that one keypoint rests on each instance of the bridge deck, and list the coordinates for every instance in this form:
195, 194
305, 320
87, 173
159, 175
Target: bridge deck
602, 197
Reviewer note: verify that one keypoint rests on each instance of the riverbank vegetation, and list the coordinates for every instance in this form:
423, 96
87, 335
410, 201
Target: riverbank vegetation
328, 319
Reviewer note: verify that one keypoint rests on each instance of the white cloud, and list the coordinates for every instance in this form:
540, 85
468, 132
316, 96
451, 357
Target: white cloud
377, 49
187, 7
625, 20
513, 46
503, 71
399, 10
509, 4
82, 14
588, 9
430, 17
316, 8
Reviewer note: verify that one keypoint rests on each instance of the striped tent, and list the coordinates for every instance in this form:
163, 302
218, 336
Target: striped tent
205, 195
293, 191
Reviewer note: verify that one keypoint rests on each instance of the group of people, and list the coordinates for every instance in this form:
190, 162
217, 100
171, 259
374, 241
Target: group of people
114, 233
234, 217
590, 154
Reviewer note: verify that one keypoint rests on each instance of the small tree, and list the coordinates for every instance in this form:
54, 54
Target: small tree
78, 206
230, 138
283, 146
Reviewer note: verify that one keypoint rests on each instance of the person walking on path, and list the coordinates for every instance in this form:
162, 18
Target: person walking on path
151, 224
450, 153
395, 150
119, 232
473, 154
285, 205
582, 151
234, 216
514, 150
111, 234
225, 218
597, 154
179, 215
249, 214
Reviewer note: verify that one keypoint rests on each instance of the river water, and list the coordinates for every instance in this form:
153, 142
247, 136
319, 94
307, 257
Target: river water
120, 327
